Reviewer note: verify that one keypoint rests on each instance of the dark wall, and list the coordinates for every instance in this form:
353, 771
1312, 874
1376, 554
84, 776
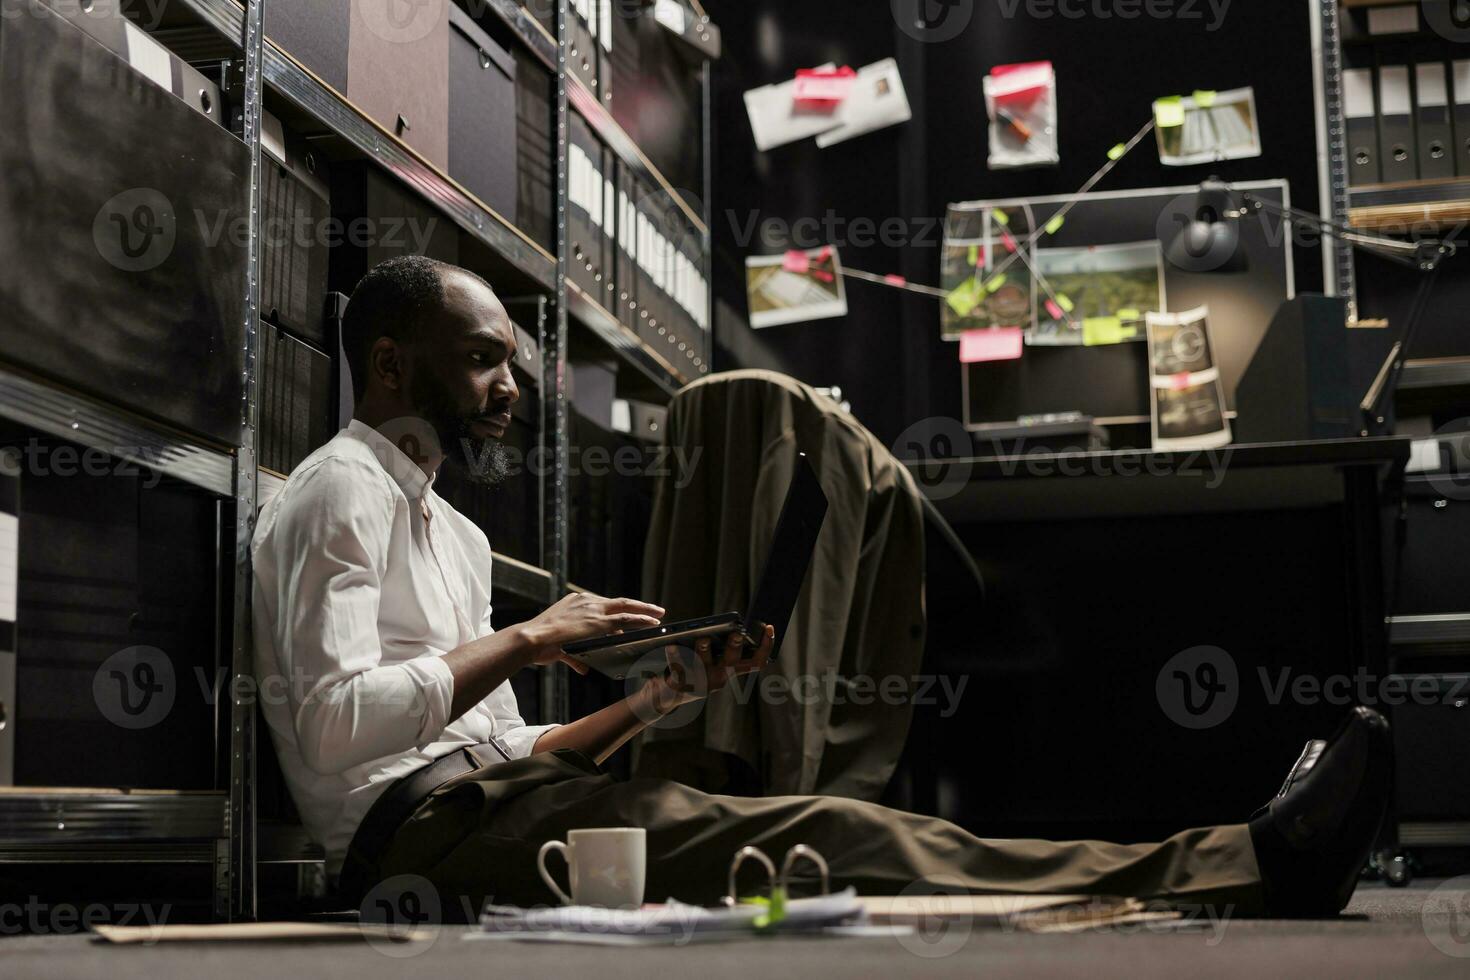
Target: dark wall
886, 354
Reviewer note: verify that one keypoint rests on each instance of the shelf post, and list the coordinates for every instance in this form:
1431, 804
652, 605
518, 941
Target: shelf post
555, 694
235, 870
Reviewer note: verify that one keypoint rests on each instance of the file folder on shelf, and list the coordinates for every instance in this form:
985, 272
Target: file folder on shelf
1461, 97
1395, 125
627, 272
585, 213
1432, 115
1361, 110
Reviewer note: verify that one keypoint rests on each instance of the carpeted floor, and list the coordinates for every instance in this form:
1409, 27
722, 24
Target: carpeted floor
1386, 933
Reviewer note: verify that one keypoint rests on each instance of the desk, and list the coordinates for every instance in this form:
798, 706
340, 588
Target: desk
1101, 569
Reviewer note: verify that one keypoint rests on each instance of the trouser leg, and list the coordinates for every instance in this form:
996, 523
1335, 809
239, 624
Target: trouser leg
470, 844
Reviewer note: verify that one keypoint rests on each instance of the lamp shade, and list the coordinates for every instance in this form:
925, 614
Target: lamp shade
1200, 233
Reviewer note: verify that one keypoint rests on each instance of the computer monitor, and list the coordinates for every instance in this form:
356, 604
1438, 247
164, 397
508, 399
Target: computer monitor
1110, 383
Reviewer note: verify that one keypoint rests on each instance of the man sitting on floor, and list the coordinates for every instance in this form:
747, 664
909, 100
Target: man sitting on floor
405, 752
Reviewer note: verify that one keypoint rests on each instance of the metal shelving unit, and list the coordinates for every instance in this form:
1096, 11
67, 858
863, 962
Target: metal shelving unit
219, 828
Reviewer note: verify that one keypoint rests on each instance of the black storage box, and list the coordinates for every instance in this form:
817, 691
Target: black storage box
118, 667
297, 409
296, 204
482, 109
120, 273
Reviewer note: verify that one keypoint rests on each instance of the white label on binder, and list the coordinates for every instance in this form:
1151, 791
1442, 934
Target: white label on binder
9, 565
609, 205
607, 16
1393, 90
1394, 20
1462, 82
1357, 93
149, 57
1433, 90
594, 194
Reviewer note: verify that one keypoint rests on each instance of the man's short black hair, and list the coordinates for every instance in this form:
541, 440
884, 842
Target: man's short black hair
397, 299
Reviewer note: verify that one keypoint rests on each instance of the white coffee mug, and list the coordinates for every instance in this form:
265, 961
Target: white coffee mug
606, 866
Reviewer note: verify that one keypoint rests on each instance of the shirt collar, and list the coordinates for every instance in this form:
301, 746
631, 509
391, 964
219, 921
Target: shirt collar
411, 478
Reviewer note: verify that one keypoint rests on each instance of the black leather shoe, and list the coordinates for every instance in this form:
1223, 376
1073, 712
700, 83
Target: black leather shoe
1313, 839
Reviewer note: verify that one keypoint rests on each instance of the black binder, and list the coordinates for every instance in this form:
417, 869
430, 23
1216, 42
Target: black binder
582, 55
1396, 146
535, 151
1432, 116
1361, 110
627, 266
1460, 95
584, 208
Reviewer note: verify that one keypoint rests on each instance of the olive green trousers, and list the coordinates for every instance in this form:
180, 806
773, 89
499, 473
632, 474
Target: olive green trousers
477, 840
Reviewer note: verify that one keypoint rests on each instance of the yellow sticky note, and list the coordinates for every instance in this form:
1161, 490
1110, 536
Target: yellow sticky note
1001, 218
966, 297
1129, 315
1169, 112
1055, 224
1205, 98
995, 283
1099, 330
1065, 302
1116, 153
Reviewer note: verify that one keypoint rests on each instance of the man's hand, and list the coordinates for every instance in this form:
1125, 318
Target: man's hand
582, 616
679, 685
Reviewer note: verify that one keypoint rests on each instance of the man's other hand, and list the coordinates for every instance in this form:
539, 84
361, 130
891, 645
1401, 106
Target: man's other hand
680, 685
582, 616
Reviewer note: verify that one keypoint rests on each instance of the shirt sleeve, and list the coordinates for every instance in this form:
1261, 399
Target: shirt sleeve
331, 540
511, 731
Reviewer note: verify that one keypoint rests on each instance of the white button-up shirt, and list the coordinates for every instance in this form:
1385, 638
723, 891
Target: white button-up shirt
364, 579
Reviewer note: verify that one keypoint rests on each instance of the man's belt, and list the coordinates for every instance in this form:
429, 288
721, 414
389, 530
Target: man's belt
392, 810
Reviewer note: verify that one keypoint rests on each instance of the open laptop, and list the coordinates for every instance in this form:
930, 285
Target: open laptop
780, 583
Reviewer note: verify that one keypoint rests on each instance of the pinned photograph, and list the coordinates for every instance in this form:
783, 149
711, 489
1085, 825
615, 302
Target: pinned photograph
984, 286
1180, 348
1188, 400
1207, 127
1100, 282
795, 288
